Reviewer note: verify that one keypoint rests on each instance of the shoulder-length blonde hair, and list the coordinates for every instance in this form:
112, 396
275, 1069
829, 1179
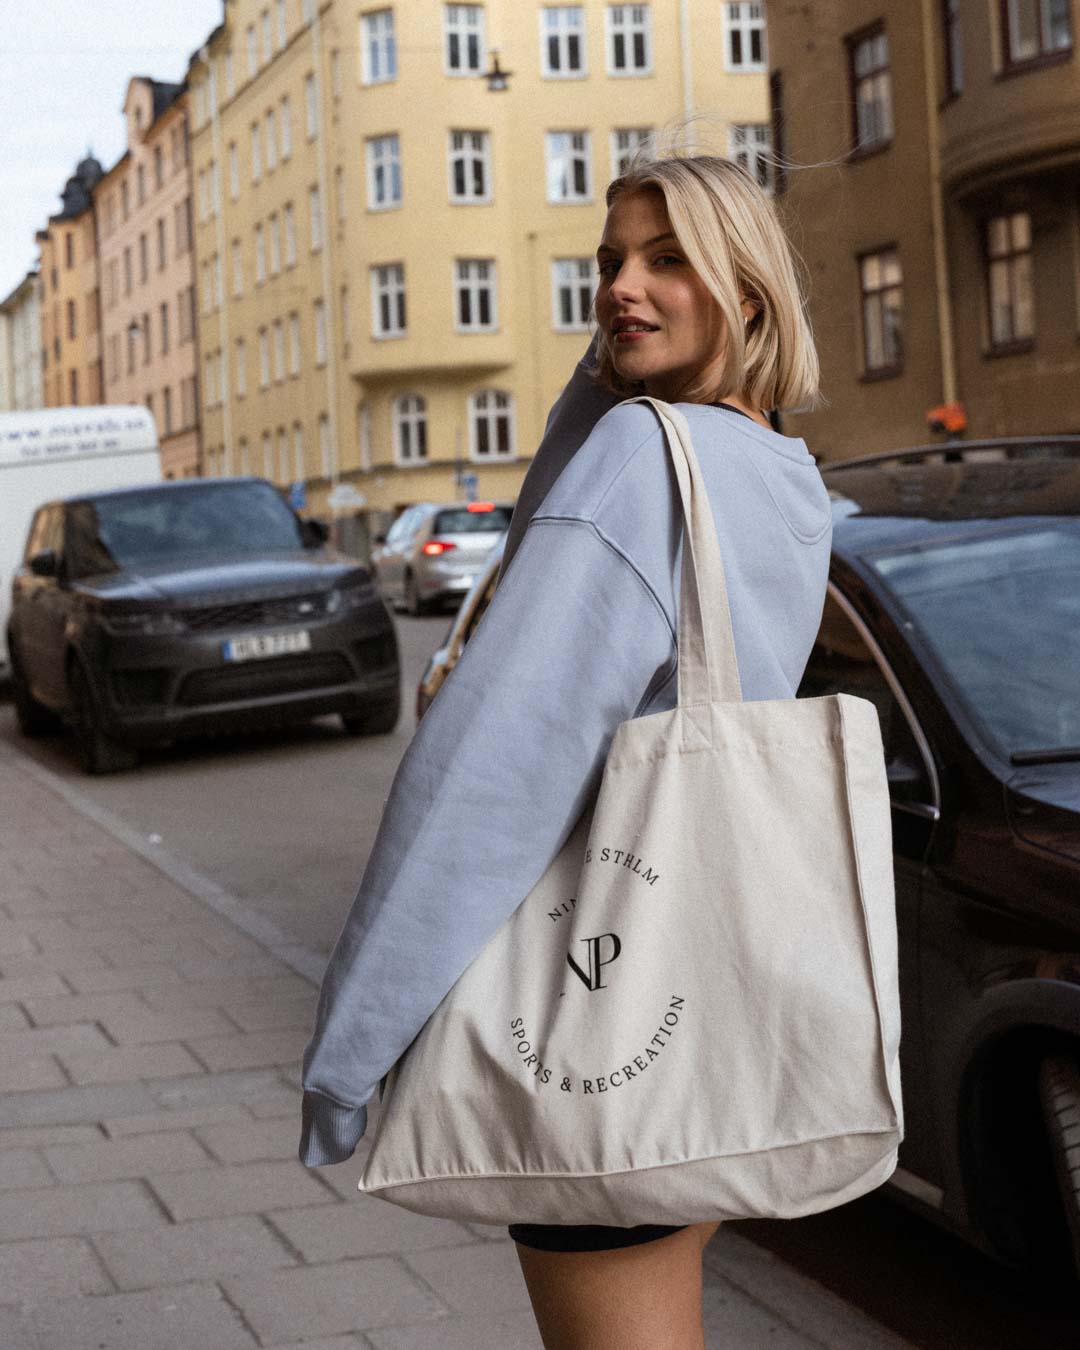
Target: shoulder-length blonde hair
731, 235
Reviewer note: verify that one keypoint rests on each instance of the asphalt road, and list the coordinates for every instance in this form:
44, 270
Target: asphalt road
285, 822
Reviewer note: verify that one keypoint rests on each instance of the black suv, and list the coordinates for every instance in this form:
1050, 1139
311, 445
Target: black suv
141, 615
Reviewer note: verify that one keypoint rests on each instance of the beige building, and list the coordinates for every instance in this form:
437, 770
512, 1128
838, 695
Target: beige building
70, 314
942, 240
395, 236
20, 346
146, 261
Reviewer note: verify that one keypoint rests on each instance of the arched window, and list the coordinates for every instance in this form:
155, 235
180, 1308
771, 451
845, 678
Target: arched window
410, 428
491, 424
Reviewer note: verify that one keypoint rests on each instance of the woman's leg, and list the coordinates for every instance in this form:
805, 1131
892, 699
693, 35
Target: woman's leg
646, 1297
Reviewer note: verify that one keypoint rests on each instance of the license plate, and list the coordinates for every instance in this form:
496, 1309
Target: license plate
261, 645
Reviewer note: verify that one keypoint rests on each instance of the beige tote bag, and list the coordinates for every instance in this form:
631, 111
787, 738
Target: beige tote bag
694, 1014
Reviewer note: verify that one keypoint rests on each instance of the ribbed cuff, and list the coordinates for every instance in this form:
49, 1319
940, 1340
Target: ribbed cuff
330, 1131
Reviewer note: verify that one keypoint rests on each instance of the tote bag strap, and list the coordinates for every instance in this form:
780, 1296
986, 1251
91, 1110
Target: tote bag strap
707, 671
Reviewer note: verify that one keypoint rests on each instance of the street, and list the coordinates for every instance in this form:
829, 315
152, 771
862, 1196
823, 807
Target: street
284, 821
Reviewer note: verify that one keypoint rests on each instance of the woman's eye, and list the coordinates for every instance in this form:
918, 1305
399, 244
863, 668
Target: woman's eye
669, 258
608, 269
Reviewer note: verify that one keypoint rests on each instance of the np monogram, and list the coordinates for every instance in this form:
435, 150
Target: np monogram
593, 978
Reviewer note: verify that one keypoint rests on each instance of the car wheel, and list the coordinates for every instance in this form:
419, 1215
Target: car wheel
33, 718
1059, 1092
98, 753
379, 721
413, 604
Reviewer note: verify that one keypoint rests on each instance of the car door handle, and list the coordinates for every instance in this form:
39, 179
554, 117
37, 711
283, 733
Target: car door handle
921, 809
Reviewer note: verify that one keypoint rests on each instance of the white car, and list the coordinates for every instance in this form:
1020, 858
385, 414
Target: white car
434, 552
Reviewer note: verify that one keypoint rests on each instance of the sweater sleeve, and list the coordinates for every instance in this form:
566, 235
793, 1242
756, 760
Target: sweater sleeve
506, 758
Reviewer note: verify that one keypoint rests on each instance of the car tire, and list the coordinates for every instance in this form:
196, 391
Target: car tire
98, 753
1059, 1093
413, 604
32, 717
377, 721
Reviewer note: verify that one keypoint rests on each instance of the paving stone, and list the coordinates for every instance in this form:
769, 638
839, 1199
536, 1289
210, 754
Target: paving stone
202, 1250
31, 986
356, 1342
28, 1074
22, 1167
73, 1105
263, 1016
228, 992
15, 1333
60, 1211
69, 962
212, 1089
221, 967
50, 1040
15, 944
247, 1141
147, 978
481, 1275
269, 1108
109, 1159
120, 1127
13, 1018
731, 1317
252, 1050
312, 1301
176, 1318
498, 1331
141, 1026
38, 1136
49, 1268
125, 1063
250, 1188
57, 1011
365, 1226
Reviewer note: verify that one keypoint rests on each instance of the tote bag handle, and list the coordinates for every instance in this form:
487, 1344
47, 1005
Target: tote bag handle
707, 669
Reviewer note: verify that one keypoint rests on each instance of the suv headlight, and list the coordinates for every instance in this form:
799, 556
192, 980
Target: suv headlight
145, 623
354, 595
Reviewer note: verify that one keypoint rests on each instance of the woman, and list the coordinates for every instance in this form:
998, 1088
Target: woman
698, 303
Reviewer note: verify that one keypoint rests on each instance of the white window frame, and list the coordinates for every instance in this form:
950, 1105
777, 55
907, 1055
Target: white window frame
267, 37
383, 156
264, 358
629, 22
326, 446
285, 129
252, 45
311, 108
230, 74
283, 456
274, 234
363, 433
256, 152
410, 430
315, 217
299, 466
467, 24
378, 47
341, 201
625, 142
470, 148
475, 279
294, 345
282, 24
234, 171
271, 141
487, 406
570, 279
237, 269
268, 455
562, 158
750, 146
290, 234
745, 18
260, 255
279, 351
388, 284
561, 23
241, 368
322, 336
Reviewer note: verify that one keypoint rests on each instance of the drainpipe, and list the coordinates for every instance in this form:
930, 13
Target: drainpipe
328, 218
225, 366
946, 336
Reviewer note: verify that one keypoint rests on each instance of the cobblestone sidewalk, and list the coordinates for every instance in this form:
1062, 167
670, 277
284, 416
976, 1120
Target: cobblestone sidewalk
150, 1194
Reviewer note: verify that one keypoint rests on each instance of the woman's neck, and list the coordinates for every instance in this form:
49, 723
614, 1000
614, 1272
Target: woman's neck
755, 413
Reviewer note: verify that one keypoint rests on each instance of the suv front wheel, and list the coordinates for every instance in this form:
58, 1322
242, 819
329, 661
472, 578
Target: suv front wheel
98, 753
33, 718
1059, 1092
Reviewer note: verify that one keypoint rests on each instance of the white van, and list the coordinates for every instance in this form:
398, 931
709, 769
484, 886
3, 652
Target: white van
53, 453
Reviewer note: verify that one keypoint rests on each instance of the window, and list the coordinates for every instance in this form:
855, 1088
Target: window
464, 29
268, 455
629, 40
470, 166
491, 424
275, 245
166, 398
283, 455
147, 345
562, 41
311, 107
256, 153
125, 202
290, 235
71, 319
388, 300
1009, 280
252, 50
161, 250
1035, 29
144, 259
294, 344
363, 434
954, 47
378, 50
298, 452
234, 172
321, 336
474, 285
237, 269
230, 84
573, 281
271, 141
282, 23
243, 455
410, 428
260, 256
163, 324
335, 73
881, 281
339, 193
241, 368
750, 146
569, 176
285, 126
383, 172
140, 184
625, 144
871, 83
315, 214
264, 359
279, 350
73, 386
326, 446
127, 270
182, 225
132, 334
744, 37
159, 166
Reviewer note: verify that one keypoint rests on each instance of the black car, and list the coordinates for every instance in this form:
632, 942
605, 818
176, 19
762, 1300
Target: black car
142, 615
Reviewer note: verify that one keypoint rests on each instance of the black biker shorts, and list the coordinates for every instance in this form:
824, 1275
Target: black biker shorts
586, 1238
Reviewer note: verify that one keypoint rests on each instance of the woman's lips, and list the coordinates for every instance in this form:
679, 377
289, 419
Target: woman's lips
634, 334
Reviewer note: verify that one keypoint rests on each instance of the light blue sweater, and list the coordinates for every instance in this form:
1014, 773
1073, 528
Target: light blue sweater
579, 637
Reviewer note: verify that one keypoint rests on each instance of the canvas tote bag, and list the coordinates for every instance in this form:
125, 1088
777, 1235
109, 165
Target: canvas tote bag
694, 1014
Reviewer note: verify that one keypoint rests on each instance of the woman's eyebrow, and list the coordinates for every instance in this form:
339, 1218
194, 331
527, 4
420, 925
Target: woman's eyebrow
656, 239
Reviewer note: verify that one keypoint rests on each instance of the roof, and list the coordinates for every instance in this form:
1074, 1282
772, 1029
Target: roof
165, 95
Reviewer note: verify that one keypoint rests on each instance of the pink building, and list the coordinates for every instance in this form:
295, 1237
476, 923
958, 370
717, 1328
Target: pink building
147, 271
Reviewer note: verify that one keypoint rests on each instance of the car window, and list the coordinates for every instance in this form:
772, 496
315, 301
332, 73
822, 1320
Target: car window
46, 532
842, 662
463, 521
35, 539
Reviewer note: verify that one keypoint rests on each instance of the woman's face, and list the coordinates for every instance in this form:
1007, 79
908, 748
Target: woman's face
663, 326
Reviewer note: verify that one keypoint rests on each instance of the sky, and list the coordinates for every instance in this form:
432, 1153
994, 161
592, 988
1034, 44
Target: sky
64, 69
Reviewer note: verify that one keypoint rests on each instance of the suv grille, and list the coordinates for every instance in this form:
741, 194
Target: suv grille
260, 679
256, 613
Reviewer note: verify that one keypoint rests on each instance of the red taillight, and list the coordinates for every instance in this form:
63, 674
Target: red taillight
434, 547
480, 506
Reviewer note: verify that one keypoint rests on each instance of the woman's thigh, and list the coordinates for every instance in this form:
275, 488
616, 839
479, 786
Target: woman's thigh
646, 1297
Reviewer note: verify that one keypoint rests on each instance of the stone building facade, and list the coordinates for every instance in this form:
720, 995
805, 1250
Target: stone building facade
20, 346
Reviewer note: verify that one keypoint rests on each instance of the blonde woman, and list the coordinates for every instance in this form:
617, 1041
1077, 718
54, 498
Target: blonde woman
698, 304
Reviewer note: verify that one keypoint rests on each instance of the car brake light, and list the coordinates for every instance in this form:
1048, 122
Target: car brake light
434, 547
480, 506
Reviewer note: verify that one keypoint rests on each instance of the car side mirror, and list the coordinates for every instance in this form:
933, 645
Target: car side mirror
316, 533
45, 563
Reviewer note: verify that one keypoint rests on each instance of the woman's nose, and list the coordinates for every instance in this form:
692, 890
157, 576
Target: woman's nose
628, 282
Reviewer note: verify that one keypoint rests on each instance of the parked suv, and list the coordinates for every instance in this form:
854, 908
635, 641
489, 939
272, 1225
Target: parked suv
146, 614
433, 553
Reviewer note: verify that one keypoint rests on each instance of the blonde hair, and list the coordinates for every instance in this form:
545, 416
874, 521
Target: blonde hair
732, 237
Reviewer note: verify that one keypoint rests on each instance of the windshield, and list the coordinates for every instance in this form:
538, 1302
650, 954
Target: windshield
471, 522
134, 529
1001, 613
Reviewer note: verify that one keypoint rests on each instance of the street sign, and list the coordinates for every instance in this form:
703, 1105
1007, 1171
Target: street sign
346, 498
298, 495
470, 482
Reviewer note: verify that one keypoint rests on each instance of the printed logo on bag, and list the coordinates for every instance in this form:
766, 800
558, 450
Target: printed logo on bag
597, 959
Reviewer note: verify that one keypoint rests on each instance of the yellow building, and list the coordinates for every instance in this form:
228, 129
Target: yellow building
397, 210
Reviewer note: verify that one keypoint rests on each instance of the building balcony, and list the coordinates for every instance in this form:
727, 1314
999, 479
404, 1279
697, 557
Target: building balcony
470, 355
